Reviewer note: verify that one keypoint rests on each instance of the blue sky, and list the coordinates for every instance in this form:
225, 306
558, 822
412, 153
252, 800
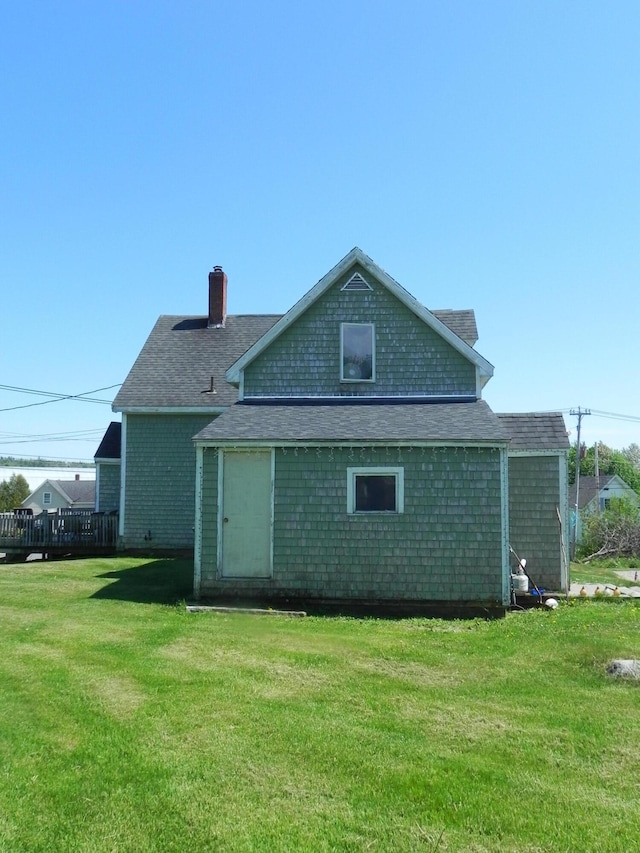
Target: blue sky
486, 154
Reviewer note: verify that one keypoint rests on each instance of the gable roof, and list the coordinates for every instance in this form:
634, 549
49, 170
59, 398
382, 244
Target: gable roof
181, 359
462, 323
536, 430
347, 423
109, 447
78, 491
357, 256
72, 491
591, 486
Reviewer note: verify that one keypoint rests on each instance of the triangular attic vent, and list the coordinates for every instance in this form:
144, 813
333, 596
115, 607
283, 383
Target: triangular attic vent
356, 282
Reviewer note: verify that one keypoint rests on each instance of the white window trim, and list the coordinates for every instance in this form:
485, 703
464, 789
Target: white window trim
46, 498
387, 471
344, 378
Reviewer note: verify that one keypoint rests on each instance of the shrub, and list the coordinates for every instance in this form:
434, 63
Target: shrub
612, 533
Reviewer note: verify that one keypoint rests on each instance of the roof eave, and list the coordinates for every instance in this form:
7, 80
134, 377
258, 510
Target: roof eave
499, 443
171, 410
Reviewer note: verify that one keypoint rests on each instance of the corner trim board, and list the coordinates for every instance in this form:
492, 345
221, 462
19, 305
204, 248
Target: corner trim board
123, 476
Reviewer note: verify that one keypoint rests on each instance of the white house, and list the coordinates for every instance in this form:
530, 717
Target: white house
62, 494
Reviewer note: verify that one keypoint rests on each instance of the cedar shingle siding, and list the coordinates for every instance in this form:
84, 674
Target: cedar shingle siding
160, 481
445, 546
209, 515
534, 532
410, 357
109, 487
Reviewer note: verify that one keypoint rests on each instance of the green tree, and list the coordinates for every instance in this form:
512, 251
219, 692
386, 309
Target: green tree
632, 453
609, 462
12, 492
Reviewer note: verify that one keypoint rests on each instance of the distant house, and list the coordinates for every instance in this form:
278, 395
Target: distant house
341, 451
34, 474
595, 493
107, 459
62, 494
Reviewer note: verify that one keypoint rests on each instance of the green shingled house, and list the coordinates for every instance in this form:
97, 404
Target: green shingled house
340, 452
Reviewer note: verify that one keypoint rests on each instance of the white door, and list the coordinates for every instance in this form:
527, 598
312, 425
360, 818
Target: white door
246, 514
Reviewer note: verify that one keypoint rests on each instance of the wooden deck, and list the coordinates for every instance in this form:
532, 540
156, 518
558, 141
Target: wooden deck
66, 532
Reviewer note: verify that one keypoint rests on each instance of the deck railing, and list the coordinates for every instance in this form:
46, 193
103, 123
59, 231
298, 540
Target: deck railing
72, 531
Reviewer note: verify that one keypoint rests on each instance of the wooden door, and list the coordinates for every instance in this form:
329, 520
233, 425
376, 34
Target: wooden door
246, 514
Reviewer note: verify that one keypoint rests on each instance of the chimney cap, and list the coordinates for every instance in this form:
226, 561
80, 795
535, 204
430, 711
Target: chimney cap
217, 268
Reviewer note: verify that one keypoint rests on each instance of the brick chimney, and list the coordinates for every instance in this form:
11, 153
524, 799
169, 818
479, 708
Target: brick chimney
77, 476
217, 297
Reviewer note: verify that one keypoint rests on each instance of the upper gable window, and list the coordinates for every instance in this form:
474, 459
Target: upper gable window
357, 352
46, 498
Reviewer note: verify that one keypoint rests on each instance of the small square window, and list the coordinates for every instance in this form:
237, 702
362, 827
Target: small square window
375, 490
357, 352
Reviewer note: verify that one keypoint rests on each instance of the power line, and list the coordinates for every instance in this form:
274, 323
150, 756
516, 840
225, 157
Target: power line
54, 439
85, 435
8, 436
54, 393
616, 417
83, 397
596, 412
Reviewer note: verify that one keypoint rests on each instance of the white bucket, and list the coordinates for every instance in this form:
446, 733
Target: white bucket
520, 583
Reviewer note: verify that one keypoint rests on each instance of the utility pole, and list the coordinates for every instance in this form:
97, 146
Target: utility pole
597, 472
579, 413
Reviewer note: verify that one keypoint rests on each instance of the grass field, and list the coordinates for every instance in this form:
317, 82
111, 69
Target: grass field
604, 572
127, 724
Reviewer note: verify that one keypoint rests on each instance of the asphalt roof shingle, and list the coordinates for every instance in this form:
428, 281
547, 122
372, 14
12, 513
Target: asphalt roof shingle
462, 323
110, 446
182, 358
77, 491
536, 430
455, 422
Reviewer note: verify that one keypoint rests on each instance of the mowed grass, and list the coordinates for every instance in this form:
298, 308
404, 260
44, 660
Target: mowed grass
127, 724
605, 572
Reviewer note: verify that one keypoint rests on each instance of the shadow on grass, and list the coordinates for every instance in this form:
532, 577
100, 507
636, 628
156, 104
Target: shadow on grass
157, 582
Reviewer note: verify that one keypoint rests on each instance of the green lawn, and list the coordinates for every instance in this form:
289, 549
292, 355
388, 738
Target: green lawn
604, 572
127, 724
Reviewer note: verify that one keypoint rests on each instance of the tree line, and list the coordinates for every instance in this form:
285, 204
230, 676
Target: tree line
625, 463
19, 462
